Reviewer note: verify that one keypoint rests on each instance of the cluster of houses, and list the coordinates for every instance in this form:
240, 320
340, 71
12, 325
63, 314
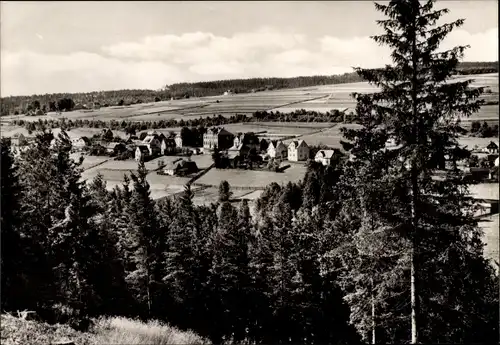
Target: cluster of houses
156, 144
239, 145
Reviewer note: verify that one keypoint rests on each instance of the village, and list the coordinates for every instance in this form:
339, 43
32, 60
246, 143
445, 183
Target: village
239, 151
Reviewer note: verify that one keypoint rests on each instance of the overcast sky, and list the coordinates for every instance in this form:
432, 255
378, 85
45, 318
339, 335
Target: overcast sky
51, 47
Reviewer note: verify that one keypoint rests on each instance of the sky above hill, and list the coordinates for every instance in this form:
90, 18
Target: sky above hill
51, 46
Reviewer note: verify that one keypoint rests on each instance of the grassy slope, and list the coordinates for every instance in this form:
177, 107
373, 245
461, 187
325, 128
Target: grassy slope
114, 330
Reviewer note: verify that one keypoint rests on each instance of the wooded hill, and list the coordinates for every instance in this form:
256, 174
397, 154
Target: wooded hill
21, 104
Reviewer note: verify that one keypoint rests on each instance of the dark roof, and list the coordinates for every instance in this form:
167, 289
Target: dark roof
181, 164
143, 148
492, 145
218, 130
326, 153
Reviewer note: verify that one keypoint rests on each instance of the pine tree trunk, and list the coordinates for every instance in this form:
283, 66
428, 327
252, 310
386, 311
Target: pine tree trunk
373, 313
414, 188
149, 300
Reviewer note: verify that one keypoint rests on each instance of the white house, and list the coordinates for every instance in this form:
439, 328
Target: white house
152, 142
178, 140
167, 146
80, 143
277, 149
324, 156
496, 162
141, 152
492, 147
298, 151
250, 140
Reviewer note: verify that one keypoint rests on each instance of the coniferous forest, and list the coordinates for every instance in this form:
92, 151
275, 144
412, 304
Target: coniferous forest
371, 248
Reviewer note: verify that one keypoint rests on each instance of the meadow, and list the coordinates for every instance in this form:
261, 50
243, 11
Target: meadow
319, 98
249, 178
105, 330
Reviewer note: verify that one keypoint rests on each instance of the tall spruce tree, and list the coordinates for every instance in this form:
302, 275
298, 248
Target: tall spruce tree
14, 253
147, 243
260, 266
185, 265
418, 106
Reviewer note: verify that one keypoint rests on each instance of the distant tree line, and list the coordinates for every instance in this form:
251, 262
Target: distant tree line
484, 130
469, 68
22, 104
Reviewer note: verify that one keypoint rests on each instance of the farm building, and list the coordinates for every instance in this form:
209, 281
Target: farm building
167, 146
324, 156
492, 147
478, 174
250, 140
115, 148
19, 139
217, 137
277, 149
80, 143
178, 140
242, 150
106, 133
181, 167
298, 150
153, 144
141, 152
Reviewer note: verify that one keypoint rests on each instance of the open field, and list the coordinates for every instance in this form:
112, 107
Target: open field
249, 178
89, 161
319, 98
485, 190
490, 227
269, 130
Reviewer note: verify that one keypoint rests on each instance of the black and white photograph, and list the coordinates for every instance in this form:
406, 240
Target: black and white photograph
249, 172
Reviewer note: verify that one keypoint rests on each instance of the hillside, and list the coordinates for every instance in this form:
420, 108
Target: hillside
50, 102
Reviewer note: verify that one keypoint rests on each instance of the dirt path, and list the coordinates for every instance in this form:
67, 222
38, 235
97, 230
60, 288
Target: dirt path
97, 164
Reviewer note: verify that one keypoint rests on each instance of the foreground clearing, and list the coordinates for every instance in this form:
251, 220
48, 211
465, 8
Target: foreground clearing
112, 330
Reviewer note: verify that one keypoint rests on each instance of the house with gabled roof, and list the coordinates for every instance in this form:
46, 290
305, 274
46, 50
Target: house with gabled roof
178, 140
167, 146
277, 149
492, 147
324, 156
152, 142
298, 150
115, 148
141, 153
217, 137
106, 133
80, 143
181, 167
250, 140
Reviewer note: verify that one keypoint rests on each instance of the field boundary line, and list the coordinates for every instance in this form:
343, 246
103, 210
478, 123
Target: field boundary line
296, 102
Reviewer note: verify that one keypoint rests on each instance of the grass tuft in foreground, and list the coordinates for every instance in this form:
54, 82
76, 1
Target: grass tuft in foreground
106, 330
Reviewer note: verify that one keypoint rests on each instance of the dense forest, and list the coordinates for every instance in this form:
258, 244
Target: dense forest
72, 251
52, 102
